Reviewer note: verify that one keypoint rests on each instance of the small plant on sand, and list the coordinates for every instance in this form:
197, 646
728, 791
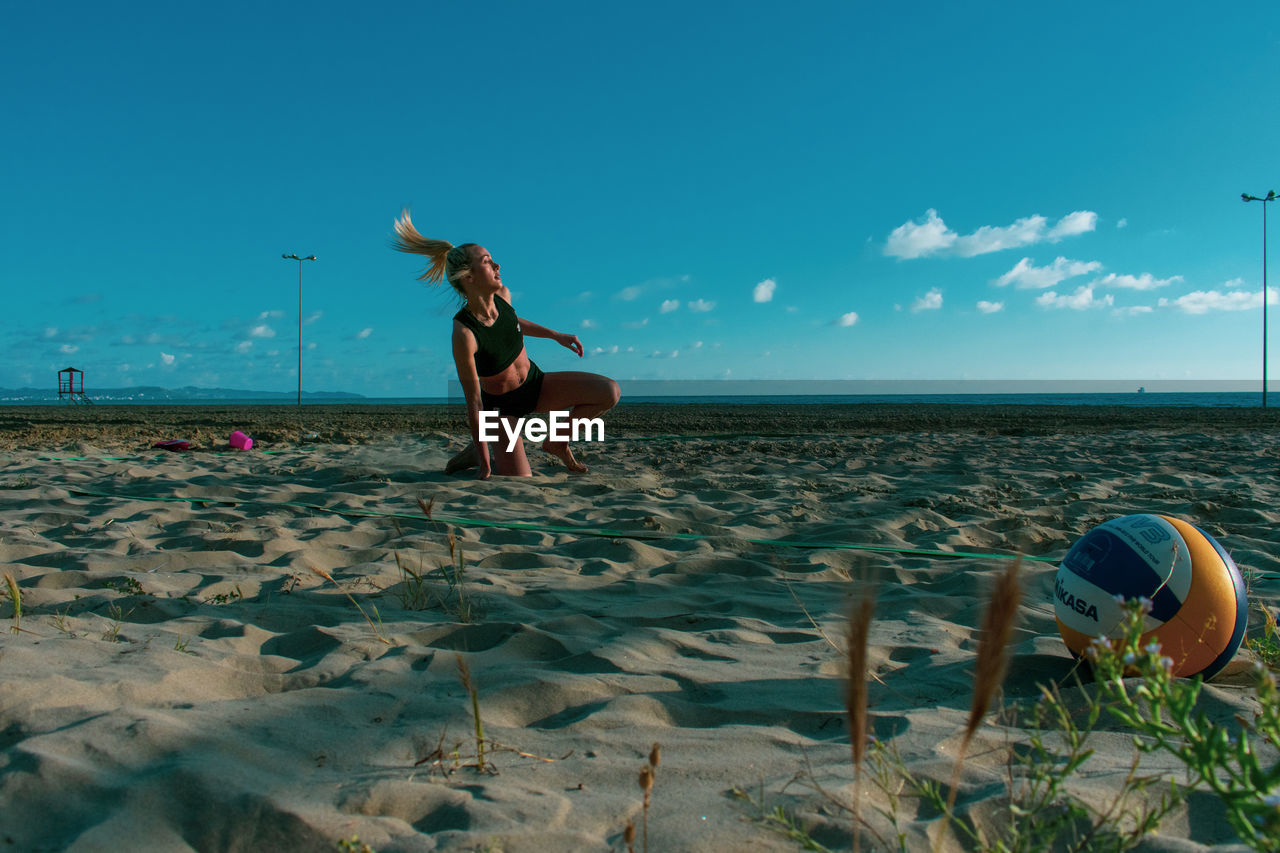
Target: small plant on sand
464, 673
1134, 687
1161, 710
354, 845
1042, 811
118, 615
15, 598
993, 659
648, 775
777, 819
126, 586
1267, 647
227, 597
59, 620
376, 632
416, 593
856, 695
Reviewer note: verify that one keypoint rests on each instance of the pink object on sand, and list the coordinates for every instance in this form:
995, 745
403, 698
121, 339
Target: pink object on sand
240, 441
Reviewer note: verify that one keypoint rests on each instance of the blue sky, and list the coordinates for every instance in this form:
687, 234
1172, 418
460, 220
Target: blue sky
698, 190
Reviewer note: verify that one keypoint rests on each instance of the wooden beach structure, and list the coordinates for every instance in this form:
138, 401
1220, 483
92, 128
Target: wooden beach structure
71, 386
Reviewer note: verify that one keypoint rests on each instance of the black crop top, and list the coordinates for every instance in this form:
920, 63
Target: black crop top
497, 345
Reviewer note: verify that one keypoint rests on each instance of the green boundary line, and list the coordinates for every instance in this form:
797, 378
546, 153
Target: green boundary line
558, 528
163, 455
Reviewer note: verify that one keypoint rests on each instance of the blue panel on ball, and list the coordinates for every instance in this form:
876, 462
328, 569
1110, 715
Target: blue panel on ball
1242, 609
1107, 562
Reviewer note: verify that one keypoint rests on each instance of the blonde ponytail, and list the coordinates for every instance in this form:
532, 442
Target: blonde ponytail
447, 260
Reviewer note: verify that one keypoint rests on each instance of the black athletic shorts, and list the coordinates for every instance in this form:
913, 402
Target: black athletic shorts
519, 402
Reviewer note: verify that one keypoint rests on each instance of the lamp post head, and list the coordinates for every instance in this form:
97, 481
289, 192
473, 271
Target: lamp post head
1271, 195
1243, 197
291, 257
309, 258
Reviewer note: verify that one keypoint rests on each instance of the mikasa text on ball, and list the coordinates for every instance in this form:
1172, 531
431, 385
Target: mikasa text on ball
1198, 605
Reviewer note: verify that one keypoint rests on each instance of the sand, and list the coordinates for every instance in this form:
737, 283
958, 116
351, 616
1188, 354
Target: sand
186, 681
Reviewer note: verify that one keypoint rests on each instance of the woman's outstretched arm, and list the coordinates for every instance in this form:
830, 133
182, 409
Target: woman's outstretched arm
533, 330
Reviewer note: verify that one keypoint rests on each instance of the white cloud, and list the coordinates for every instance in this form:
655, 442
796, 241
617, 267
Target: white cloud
312, 317
1122, 223
166, 359
668, 305
51, 332
1135, 310
587, 324
916, 240
262, 331
699, 305
1026, 275
270, 315
697, 344
990, 307
763, 291
363, 333
68, 349
639, 324
244, 346
627, 294
1204, 301
847, 319
992, 238
1146, 281
933, 237
1079, 301
1073, 224
931, 301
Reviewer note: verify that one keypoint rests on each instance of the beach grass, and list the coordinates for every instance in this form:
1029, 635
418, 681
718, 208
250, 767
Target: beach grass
15, 598
1132, 686
464, 674
326, 576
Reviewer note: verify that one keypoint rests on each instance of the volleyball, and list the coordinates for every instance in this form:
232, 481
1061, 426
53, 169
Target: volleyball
1198, 604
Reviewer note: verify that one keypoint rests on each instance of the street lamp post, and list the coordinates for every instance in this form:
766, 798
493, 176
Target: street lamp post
1271, 196
300, 260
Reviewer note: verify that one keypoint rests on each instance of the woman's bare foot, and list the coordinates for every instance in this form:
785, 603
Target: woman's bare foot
464, 460
560, 450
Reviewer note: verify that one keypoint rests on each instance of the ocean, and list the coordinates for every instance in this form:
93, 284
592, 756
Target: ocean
1148, 399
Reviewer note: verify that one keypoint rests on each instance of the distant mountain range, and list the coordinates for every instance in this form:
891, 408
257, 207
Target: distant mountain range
156, 394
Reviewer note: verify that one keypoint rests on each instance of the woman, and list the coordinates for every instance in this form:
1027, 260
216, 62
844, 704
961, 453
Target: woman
493, 367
